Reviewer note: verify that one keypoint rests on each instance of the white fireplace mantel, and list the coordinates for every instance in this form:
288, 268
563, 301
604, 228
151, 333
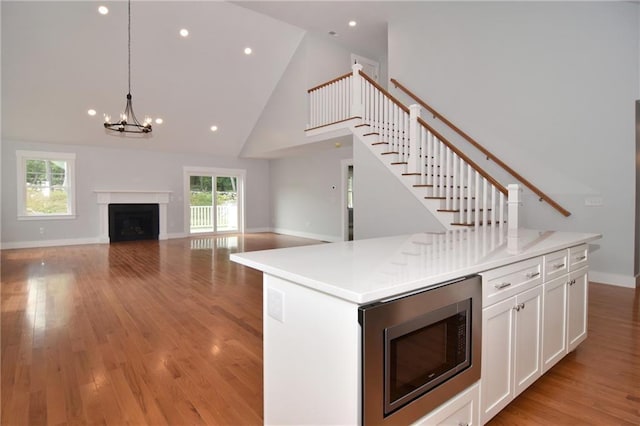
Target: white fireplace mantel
107, 196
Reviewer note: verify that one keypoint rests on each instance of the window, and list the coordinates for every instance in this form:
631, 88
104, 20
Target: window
46, 185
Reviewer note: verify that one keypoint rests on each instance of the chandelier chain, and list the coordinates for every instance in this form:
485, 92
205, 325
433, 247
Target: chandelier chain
129, 45
128, 122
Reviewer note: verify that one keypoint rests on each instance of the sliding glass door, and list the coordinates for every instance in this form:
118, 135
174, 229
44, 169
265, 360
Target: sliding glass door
214, 200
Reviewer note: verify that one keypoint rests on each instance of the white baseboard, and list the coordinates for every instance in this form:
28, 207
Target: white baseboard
618, 280
257, 230
50, 243
320, 237
176, 235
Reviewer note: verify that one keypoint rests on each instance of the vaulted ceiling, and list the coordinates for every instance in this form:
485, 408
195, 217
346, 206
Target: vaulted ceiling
60, 59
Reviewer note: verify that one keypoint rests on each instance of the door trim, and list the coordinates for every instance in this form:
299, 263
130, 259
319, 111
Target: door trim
240, 174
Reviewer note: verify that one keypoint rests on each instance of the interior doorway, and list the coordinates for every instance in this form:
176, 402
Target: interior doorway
369, 66
347, 200
213, 201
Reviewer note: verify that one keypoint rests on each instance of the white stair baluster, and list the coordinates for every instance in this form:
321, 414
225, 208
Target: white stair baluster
455, 193
476, 204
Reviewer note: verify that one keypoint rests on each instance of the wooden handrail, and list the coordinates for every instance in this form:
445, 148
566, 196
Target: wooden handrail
384, 91
460, 154
466, 159
482, 149
329, 82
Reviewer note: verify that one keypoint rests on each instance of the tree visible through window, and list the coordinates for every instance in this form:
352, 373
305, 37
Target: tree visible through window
46, 181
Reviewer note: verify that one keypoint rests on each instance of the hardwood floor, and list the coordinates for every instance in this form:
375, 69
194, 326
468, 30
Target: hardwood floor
171, 333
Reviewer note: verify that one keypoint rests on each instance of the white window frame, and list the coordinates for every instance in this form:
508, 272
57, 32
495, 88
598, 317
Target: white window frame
240, 174
22, 157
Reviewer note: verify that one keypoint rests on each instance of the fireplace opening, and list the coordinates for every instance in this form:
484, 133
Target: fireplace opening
131, 222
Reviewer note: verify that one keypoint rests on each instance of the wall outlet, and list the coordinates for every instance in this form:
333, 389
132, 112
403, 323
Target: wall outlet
275, 304
593, 201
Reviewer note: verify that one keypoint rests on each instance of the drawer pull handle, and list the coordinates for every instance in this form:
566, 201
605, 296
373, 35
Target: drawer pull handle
581, 257
463, 424
502, 285
533, 274
518, 307
558, 265
572, 282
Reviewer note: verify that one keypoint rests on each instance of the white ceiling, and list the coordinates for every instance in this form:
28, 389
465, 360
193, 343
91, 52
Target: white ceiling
60, 59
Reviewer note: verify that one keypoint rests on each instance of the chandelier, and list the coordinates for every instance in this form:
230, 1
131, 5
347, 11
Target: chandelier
128, 122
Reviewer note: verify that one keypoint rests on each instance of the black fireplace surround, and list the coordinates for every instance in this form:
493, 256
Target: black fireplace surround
131, 222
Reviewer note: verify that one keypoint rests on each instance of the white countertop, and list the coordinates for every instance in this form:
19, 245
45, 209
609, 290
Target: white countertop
364, 271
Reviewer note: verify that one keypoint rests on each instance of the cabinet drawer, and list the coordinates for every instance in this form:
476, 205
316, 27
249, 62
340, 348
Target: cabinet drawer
501, 283
556, 264
578, 257
460, 410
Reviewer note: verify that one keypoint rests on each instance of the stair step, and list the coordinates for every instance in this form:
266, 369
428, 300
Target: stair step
371, 134
458, 210
379, 143
421, 185
389, 153
444, 198
362, 125
471, 224
399, 163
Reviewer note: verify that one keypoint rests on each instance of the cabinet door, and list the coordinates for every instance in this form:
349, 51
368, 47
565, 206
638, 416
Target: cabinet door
528, 324
496, 389
577, 308
554, 322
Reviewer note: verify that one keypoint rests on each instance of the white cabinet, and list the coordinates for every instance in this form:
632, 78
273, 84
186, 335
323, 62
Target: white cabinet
577, 302
564, 323
460, 410
554, 322
510, 349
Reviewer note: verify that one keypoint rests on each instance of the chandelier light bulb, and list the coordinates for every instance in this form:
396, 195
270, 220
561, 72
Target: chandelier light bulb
158, 120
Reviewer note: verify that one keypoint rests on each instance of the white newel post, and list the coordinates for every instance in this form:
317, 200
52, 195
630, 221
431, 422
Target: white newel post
357, 109
513, 211
414, 139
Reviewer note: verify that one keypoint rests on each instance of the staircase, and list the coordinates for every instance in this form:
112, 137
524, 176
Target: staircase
449, 184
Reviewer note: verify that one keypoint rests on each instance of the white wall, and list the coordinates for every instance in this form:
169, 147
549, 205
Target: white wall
383, 206
118, 169
548, 87
285, 117
306, 194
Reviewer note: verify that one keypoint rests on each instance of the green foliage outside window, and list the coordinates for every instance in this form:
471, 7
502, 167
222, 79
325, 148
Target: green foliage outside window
46, 187
202, 190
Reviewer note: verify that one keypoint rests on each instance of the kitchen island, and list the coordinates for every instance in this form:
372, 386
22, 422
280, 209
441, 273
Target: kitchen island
312, 296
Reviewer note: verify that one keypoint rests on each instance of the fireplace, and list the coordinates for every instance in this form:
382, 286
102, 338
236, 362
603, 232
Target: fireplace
131, 222
106, 198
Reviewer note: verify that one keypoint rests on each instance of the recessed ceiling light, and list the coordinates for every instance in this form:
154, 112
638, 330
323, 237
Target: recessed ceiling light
247, 51
333, 33
103, 10
214, 128
352, 23
184, 32
159, 120
91, 112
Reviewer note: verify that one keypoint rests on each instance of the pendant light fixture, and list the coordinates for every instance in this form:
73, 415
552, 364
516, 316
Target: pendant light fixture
128, 122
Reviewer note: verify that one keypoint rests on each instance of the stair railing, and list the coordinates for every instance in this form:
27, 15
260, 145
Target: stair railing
490, 156
453, 177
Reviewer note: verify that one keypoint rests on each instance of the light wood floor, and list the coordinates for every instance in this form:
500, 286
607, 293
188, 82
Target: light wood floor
171, 333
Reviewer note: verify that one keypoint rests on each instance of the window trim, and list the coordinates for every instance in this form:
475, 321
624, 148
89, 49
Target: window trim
21, 162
